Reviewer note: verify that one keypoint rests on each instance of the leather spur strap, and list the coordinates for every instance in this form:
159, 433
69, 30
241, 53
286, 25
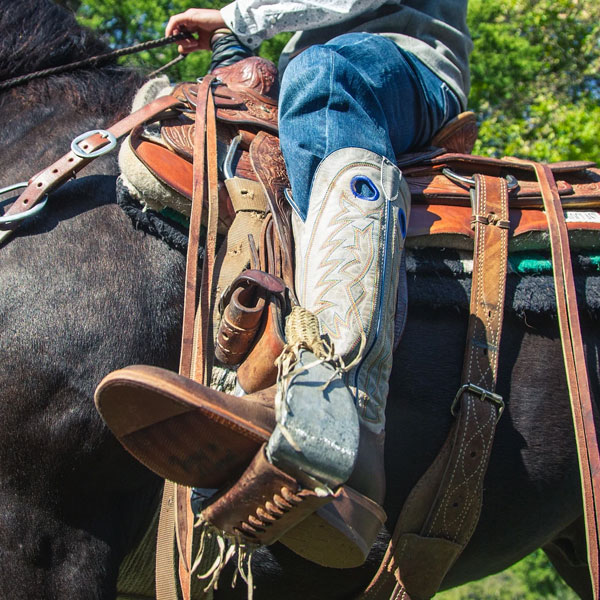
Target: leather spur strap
575, 366
443, 509
84, 149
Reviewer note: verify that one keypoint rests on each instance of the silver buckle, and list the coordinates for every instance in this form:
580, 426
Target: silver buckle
483, 395
30, 212
450, 174
78, 151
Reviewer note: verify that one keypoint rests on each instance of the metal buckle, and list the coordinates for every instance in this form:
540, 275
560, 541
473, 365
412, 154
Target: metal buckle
483, 394
30, 212
112, 144
215, 82
450, 174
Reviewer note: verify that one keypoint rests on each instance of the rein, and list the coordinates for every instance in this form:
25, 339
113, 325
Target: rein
96, 61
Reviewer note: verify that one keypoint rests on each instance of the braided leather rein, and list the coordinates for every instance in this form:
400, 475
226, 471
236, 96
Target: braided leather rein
95, 61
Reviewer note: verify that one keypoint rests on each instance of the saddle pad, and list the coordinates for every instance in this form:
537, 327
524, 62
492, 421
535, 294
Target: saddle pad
440, 279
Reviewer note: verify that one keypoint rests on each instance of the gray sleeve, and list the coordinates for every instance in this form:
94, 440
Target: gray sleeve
256, 20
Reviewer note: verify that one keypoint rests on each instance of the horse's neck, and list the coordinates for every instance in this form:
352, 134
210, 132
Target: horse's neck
30, 144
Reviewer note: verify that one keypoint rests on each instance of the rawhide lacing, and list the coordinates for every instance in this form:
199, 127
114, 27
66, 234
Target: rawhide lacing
269, 513
227, 546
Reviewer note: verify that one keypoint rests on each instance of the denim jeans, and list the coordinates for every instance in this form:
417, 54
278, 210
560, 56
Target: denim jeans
358, 90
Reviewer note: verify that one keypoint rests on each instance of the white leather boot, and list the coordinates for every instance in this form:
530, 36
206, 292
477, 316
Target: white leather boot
347, 264
348, 256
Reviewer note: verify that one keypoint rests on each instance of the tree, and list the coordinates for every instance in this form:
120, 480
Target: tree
535, 72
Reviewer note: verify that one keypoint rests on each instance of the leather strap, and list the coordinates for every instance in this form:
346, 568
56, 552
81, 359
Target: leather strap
205, 160
166, 586
442, 511
575, 366
182, 519
250, 206
199, 192
184, 529
70, 164
203, 333
269, 166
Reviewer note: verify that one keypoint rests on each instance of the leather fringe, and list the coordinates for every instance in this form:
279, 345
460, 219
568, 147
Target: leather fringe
216, 551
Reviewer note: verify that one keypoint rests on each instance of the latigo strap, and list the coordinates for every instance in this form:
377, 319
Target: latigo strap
575, 366
442, 511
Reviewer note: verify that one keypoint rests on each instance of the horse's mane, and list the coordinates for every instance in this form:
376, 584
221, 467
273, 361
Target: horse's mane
38, 34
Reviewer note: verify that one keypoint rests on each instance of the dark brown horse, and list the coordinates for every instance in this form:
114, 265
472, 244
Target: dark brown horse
83, 293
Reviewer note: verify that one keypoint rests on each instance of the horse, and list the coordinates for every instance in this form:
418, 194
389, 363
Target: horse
85, 292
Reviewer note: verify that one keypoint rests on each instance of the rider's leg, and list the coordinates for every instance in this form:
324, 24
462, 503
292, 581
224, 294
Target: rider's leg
346, 109
358, 90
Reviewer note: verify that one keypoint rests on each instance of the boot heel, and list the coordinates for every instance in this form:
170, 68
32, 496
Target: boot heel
340, 534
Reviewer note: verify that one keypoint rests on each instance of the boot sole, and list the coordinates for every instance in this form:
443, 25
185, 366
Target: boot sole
157, 416
340, 534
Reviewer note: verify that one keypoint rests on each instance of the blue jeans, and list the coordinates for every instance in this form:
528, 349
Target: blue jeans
358, 90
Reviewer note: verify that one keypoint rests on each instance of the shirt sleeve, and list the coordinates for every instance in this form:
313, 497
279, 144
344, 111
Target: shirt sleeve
256, 20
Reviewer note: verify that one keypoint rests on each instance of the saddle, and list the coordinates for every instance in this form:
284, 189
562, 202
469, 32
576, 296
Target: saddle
475, 202
441, 213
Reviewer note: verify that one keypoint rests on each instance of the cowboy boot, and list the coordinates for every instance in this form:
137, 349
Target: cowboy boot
347, 268
182, 430
197, 436
363, 203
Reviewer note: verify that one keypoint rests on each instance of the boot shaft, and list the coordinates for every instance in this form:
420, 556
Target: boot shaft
347, 266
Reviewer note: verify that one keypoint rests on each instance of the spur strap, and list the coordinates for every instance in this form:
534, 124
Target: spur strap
84, 149
443, 509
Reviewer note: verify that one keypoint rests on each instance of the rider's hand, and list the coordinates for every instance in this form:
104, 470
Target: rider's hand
202, 21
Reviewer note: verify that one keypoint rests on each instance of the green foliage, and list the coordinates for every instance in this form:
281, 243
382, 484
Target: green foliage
272, 48
126, 22
535, 77
533, 578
